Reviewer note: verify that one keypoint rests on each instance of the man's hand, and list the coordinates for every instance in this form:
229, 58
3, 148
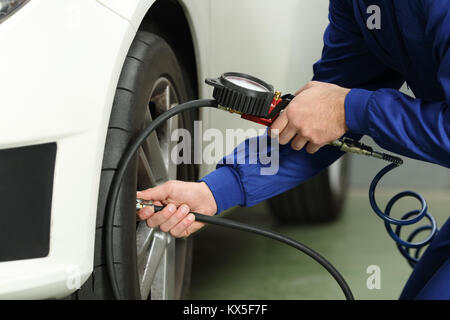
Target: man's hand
316, 116
179, 198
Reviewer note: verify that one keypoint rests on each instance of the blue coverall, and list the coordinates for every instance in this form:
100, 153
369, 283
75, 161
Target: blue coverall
412, 45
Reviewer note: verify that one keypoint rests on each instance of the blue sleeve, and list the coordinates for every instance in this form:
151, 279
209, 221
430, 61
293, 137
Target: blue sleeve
415, 128
344, 56
237, 181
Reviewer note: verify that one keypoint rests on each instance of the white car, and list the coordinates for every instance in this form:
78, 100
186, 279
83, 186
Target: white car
78, 79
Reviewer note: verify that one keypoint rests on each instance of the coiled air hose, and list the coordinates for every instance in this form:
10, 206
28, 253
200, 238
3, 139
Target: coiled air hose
409, 218
345, 144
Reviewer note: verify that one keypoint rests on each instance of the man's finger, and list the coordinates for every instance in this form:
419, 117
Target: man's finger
162, 216
313, 148
298, 143
279, 124
158, 203
145, 213
180, 230
179, 215
287, 134
160, 192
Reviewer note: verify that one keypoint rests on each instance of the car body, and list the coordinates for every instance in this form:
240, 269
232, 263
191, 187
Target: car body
60, 63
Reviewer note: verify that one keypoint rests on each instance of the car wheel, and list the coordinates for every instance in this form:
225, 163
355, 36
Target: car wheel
319, 199
150, 264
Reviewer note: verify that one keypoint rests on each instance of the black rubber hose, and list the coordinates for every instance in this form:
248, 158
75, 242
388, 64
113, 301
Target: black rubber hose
284, 239
117, 181
280, 238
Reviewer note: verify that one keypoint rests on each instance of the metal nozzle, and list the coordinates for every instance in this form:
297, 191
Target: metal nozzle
140, 204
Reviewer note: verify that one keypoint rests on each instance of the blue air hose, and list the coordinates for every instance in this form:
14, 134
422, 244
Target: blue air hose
408, 219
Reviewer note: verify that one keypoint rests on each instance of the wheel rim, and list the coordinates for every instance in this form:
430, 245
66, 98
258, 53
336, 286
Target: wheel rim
156, 249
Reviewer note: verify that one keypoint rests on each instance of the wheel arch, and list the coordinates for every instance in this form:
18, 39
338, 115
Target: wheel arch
184, 24
169, 20
172, 20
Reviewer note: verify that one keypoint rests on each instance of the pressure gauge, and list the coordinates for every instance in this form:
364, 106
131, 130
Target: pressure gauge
242, 93
247, 83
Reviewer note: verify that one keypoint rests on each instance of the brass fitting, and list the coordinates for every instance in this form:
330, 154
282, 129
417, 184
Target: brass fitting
229, 110
277, 95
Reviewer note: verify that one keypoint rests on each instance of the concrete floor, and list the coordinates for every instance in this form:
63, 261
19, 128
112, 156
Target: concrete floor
230, 264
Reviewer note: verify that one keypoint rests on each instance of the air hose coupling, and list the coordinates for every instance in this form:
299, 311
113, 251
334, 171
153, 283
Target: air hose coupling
352, 146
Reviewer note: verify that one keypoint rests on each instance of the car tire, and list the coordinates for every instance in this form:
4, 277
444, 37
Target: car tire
151, 81
319, 199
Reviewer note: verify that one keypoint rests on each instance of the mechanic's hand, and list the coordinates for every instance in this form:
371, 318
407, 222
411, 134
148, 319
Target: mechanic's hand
179, 198
316, 116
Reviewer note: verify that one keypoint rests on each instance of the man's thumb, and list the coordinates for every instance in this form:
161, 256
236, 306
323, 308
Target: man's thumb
160, 192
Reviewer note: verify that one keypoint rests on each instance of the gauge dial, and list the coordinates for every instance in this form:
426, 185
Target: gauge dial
246, 83
242, 93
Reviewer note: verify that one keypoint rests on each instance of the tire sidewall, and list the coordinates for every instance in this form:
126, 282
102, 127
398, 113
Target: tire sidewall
149, 58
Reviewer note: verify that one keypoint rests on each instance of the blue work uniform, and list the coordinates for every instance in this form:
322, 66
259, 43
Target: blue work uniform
411, 45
